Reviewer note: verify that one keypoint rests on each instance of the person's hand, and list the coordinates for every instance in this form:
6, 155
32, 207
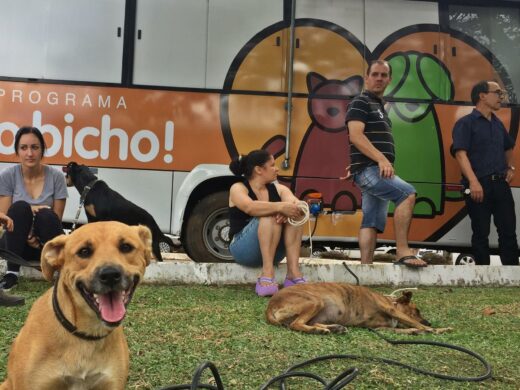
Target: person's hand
348, 174
33, 241
7, 222
476, 191
35, 209
280, 218
509, 175
290, 210
386, 169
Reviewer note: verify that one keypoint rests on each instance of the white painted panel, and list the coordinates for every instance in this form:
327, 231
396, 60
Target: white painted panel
23, 37
232, 23
383, 17
83, 42
172, 48
347, 14
178, 178
150, 190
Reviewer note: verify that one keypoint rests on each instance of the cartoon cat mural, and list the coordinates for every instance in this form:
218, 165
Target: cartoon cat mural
324, 153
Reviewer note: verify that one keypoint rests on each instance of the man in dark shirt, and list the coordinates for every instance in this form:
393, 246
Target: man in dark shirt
484, 151
372, 156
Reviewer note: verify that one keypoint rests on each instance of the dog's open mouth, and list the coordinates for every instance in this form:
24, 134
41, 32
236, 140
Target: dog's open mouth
109, 306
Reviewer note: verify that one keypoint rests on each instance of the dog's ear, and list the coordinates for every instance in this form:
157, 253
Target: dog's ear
146, 237
405, 298
52, 257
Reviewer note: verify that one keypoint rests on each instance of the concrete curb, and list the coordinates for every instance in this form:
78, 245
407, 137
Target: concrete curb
181, 270
178, 272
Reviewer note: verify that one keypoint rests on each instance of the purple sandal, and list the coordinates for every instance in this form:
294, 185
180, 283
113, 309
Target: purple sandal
268, 290
291, 282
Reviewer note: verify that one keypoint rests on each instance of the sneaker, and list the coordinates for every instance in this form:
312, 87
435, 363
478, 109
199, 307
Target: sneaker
8, 282
268, 289
10, 300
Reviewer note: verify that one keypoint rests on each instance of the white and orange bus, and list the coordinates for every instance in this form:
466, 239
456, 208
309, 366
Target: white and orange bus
160, 95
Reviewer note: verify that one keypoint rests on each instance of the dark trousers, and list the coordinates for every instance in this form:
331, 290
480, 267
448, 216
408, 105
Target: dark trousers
498, 202
45, 225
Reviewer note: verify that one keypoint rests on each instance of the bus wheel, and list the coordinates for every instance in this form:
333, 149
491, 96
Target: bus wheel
465, 259
207, 230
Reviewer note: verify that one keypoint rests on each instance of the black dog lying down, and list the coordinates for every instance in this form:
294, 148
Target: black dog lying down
104, 204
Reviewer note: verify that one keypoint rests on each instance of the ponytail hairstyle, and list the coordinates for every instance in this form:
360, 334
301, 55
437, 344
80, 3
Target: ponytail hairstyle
245, 165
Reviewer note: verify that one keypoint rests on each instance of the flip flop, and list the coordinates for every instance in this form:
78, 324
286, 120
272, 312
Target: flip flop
266, 290
291, 282
403, 261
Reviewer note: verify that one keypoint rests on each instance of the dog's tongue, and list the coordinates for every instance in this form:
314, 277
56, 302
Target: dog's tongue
112, 307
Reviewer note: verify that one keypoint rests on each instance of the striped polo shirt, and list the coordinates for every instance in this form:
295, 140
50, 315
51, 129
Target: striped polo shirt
369, 109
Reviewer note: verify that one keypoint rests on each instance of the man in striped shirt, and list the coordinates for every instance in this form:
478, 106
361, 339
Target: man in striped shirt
372, 156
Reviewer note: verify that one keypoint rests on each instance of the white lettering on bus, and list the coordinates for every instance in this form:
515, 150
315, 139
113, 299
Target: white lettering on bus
17, 94
144, 145
154, 145
35, 97
11, 127
67, 136
55, 146
105, 103
54, 98
70, 97
121, 103
107, 133
78, 143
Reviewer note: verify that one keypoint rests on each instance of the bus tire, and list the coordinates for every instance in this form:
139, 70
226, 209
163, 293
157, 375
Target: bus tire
207, 230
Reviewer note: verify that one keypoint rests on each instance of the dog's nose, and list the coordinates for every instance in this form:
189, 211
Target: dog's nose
109, 275
426, 322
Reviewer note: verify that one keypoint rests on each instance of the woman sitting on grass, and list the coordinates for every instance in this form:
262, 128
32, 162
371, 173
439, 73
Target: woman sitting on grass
259, 210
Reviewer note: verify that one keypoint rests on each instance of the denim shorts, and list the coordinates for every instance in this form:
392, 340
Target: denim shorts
245, 246
376, 193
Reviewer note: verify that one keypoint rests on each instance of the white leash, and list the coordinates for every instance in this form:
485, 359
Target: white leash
400, 289
304, 207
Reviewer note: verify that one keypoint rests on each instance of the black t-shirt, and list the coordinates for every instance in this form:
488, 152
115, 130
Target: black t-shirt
369, 109
238, 219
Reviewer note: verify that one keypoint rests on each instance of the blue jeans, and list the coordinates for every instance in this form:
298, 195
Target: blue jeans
376, 192
245, 246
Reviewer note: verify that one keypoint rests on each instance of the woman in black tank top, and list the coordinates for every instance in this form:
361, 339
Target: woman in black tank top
258, 212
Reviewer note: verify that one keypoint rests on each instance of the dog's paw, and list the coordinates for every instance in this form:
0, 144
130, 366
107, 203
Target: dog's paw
337, 328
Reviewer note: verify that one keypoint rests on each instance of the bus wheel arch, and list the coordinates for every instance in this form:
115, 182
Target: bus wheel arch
206, 224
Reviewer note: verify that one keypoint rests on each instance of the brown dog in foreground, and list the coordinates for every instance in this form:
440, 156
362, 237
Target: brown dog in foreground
331, 307
72, 338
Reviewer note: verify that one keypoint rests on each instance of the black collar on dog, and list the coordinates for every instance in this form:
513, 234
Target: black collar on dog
65, 322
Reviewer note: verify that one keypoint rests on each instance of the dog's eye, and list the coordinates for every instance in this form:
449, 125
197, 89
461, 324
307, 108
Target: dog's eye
125, 248
85, 252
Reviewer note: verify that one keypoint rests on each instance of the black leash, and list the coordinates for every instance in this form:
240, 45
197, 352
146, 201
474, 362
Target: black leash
195, 383
14, 258
82, 198
348, 375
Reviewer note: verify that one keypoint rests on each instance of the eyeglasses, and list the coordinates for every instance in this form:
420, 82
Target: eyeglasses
501, 94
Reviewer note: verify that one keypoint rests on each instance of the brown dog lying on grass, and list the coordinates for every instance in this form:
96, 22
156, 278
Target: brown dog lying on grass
72, 338
331, 307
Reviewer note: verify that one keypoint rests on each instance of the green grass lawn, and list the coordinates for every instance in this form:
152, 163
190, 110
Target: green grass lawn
172, 329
